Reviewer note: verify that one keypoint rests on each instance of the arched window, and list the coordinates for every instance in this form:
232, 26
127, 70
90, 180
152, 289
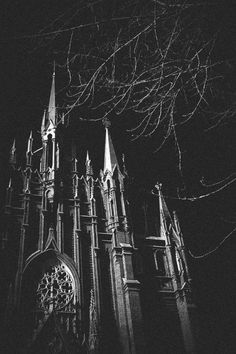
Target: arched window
55, 289
49, 287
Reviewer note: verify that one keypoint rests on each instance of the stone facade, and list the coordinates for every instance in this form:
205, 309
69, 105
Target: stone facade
82, 279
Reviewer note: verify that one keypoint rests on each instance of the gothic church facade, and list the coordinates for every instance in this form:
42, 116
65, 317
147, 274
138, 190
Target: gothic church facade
85, 277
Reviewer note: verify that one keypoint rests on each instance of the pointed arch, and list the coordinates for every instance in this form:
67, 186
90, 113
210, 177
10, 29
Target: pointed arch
38, 258
50, 287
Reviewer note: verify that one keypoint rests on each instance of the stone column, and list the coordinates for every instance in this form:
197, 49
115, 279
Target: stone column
119, 300
131, 289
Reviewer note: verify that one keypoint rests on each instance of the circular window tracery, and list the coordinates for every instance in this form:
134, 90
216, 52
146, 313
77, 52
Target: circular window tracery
55, 289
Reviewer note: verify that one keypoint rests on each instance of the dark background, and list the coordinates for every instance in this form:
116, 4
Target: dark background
25, 71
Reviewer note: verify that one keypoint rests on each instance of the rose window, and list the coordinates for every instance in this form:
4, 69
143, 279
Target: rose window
55, 289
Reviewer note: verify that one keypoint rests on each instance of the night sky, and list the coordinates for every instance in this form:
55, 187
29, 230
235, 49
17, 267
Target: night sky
26, 68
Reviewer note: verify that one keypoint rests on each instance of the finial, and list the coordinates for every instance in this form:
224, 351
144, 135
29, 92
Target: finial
106, 122
89, 168
75, 164
10, 183
176, 220
12, 158
54, 68
158, 186
125, 172
13, 145
51, 228
29, 148
87, 157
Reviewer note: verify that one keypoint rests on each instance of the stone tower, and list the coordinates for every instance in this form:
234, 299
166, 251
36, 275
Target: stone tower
80, 278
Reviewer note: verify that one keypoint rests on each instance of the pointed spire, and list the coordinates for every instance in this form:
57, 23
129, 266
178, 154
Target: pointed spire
29, 152
87, 157
52, 100
10, 183
165, 217
75, 165
43, 122
124, 169
176, 221
110, 159
177, 234
12, 158
167, 222
9, 193
74, 159
163, 206
30, 141
89, 168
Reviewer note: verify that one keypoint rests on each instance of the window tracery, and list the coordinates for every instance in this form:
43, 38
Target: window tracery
55, 289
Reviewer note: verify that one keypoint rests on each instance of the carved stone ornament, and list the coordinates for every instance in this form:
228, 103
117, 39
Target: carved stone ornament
55, 289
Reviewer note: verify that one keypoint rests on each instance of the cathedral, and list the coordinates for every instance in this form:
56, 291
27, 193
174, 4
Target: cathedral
89, 266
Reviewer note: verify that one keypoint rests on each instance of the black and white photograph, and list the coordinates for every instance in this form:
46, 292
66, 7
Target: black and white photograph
118, 177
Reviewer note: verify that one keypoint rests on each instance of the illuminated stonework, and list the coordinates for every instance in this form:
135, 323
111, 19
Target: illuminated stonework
55, 289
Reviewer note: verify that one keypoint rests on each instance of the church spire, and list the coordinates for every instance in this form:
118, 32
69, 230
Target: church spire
165, 217
30, 141
52, 101
43, 122
29, 150
88, 165
12, 158
110, 160
167, 222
